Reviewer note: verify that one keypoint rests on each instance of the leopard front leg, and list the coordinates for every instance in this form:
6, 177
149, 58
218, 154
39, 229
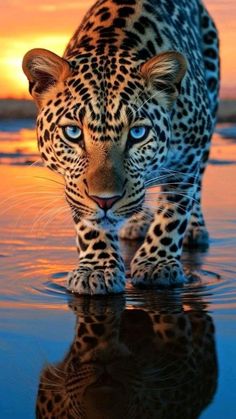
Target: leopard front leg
196, 235
101, 267
157, 262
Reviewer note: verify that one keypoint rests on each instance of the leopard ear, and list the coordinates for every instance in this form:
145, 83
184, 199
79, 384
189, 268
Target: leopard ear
164, 73
44, 69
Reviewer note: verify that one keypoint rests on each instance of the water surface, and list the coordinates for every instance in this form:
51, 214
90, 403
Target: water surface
147, 353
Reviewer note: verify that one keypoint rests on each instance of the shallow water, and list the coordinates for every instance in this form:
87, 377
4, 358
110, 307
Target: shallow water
38, 317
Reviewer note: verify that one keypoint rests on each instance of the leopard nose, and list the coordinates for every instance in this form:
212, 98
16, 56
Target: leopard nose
105, 203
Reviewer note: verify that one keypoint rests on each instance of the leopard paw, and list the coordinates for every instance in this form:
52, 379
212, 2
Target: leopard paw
164, 273
99, 281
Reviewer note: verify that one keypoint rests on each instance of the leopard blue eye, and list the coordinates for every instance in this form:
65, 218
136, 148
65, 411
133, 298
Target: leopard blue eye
138, 133
72, 133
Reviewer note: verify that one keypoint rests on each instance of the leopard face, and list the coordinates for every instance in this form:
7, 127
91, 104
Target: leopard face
106, 128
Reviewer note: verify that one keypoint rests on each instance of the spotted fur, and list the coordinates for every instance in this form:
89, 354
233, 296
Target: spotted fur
131, 63
140, 363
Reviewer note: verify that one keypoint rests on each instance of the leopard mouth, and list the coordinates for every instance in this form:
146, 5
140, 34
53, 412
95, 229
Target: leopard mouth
104, 218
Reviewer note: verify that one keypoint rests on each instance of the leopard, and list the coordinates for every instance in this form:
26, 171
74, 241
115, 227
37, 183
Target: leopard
126, 117
154, 361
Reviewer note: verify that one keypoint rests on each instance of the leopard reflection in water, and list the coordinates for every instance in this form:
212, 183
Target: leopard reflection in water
147, 362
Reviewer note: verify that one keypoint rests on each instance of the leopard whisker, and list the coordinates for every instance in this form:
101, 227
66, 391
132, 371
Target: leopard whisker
54, 215
177, 172
51, 180
51, 219
155, 207
171, 172
27, 209
169, 184
173, 193
17, 202
42, 214
40, 177
34, 164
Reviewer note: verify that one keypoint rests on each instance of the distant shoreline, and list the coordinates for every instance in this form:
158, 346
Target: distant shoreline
24, 108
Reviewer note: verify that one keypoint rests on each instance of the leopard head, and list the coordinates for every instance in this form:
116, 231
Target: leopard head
104, 125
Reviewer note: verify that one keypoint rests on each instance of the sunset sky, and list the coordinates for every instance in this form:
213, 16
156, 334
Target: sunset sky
50, 24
